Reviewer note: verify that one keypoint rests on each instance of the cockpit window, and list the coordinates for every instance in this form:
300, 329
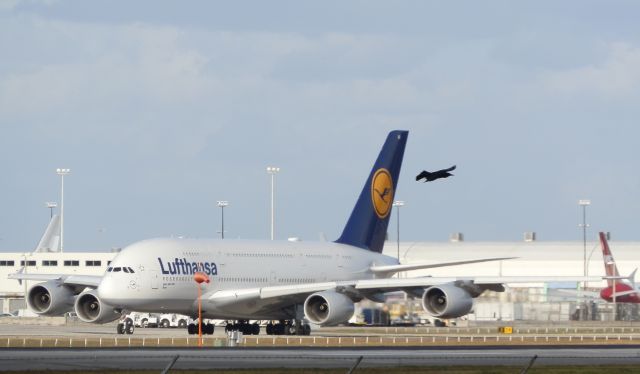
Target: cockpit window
131, 270
126, 270
115, 270
109, 269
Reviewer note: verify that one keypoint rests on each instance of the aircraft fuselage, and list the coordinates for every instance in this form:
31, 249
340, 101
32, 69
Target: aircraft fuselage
160, 274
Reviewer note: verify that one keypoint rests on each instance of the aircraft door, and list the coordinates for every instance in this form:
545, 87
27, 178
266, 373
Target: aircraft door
155, 281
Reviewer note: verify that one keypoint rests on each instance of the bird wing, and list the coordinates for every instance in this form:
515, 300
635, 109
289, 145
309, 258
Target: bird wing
450, 169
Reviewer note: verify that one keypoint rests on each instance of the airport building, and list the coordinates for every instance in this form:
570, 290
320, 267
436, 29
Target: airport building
534, 301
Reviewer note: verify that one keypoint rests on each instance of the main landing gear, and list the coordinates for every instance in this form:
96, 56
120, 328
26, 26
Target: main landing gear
207, 329
295, 327
125, 327
244, 327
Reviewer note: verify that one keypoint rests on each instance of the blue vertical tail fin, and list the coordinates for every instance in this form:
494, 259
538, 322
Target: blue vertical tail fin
367, 225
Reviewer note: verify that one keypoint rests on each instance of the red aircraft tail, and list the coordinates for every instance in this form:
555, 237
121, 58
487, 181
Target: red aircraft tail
609, 263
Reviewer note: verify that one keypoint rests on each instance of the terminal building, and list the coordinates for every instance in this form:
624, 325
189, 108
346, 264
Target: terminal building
553, 301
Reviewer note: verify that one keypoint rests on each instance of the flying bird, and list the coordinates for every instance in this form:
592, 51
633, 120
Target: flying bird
430, 177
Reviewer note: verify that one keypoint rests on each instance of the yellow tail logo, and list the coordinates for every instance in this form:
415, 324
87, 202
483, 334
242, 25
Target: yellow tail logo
382, 192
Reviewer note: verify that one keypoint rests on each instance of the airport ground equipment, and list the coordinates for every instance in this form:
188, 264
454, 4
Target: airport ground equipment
173, 320
143, 319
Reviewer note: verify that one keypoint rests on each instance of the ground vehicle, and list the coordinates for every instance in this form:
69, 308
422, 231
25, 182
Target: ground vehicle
173, 320
142, 319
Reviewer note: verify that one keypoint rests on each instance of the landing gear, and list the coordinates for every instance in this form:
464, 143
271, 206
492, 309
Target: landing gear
244, 327
125, 327
295, 327
207, 329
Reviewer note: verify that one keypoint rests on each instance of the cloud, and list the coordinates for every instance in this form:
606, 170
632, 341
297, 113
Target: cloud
618, 76
9, 5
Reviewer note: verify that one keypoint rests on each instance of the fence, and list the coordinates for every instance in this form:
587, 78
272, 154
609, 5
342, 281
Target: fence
322, 341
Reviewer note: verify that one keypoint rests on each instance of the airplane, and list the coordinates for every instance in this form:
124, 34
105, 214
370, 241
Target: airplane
289, 282
623, 289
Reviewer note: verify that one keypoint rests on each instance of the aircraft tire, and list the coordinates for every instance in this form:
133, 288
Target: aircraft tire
306, 330
255, 329
192, 329
129, 329
120, 328
291, 330
208, 329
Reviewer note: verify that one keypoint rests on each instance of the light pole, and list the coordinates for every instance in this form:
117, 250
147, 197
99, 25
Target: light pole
273, 171
62, 173
51, 205
222, 204
398, 204
589, 261
584, 203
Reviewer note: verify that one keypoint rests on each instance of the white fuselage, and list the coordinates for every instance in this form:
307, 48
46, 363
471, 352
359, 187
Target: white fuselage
159, 274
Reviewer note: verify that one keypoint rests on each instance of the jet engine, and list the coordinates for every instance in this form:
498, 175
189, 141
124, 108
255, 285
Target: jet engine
447, 301
89, 308
50, 298
328, 308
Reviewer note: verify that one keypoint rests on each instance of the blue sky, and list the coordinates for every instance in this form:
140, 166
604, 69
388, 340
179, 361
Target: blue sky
162, 108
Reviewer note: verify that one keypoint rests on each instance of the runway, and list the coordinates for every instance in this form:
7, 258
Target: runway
225, 358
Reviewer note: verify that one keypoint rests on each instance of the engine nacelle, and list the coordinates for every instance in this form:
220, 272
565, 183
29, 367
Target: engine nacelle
328, 308
89, 308
447, 301
50, 298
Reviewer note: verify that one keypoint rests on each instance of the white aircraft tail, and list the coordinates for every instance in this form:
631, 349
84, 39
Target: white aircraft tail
50, 241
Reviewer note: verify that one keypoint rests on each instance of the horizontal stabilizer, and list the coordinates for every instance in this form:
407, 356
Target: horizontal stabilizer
625, 293
408, 267
631, 278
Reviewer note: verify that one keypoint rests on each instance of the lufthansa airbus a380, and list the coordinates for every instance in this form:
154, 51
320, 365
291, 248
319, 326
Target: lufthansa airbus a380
269, 280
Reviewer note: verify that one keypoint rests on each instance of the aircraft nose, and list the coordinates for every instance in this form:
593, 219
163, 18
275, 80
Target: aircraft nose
108, 290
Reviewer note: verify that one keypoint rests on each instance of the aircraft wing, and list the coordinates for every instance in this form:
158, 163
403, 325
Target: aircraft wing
572, 294
373, 286
395, 284
391, 269
91, 281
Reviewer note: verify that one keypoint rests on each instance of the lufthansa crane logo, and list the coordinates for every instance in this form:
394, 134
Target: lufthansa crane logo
382, 192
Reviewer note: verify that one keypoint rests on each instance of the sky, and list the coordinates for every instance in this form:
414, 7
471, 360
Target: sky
162, 108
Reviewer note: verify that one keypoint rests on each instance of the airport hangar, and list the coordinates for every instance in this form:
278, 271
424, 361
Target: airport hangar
534, 302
